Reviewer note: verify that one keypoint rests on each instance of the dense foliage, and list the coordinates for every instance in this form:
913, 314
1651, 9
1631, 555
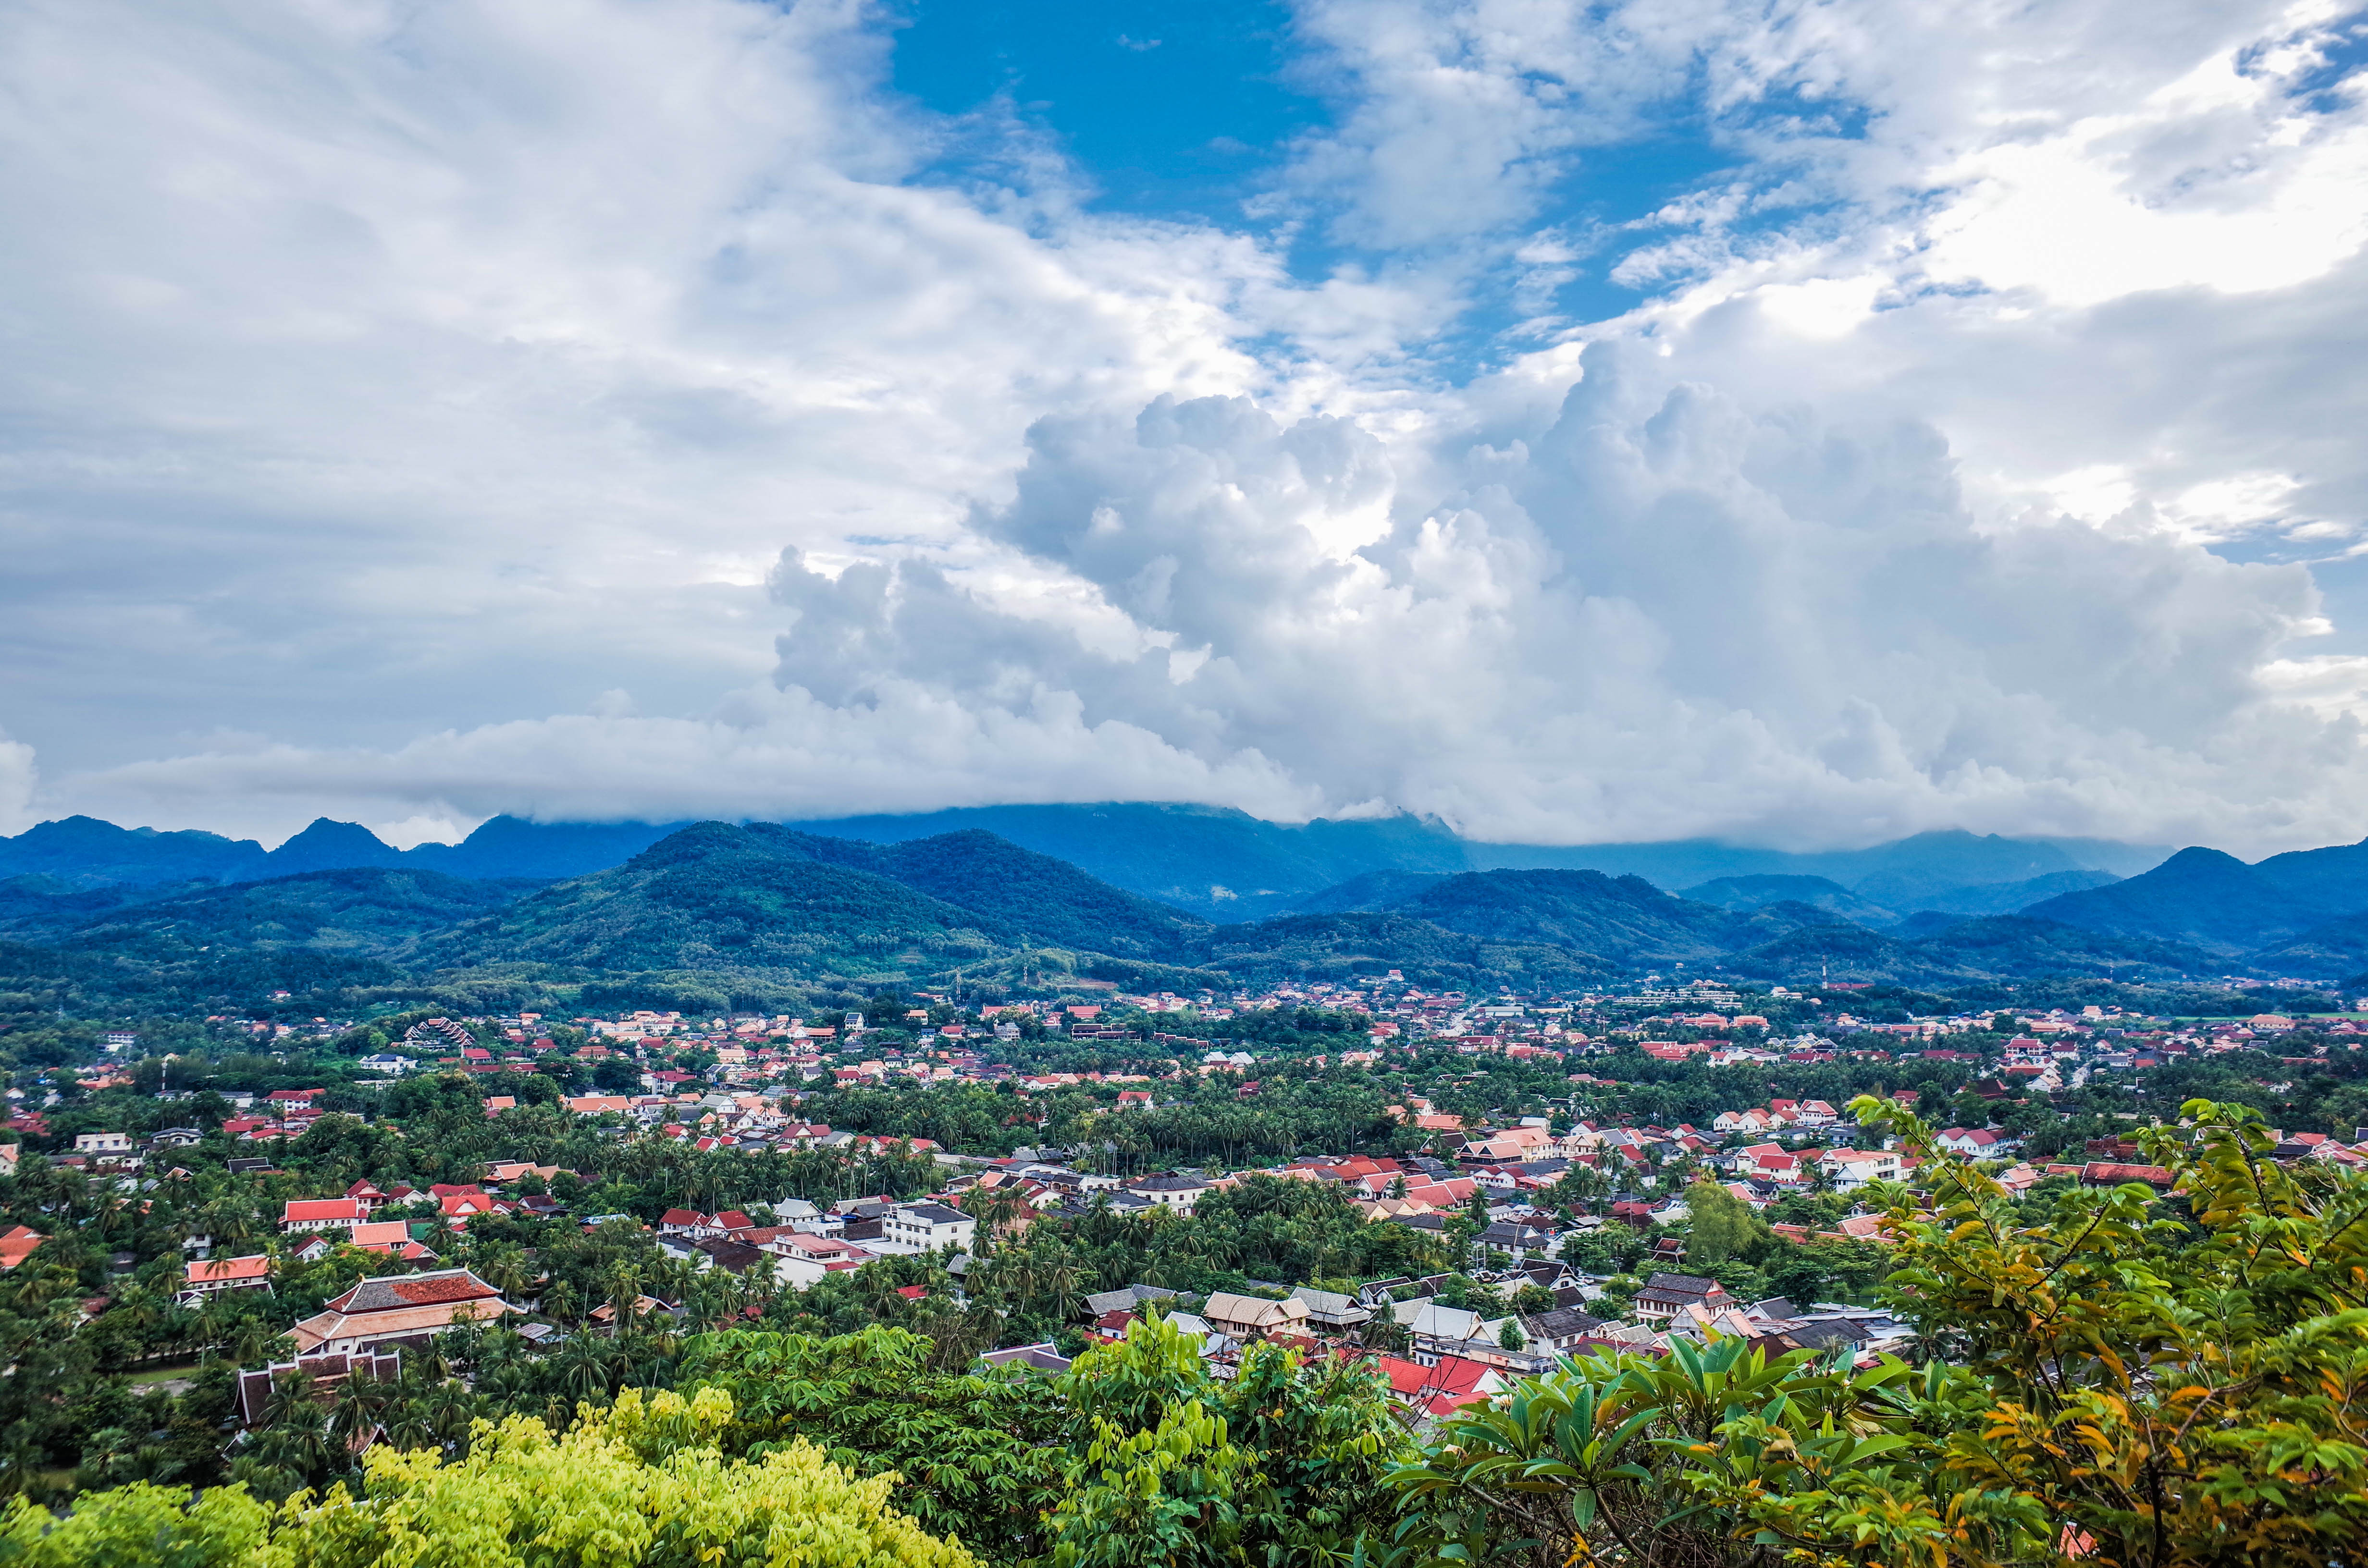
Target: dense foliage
2118, 1382
2105, 1376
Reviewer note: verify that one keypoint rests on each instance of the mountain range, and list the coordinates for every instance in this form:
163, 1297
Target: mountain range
761, 911
772, 909
1219, 864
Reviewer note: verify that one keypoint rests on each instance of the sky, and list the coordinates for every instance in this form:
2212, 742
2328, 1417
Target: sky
1802, 424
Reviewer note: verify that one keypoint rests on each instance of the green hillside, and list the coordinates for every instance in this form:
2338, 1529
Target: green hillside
1846, 953
1336, 946
2010, 897
717, 896
1743, 893
1375, 890
1046, 900
1626, 920
40, 905
2208, 900
382, 912
757, 914
1999, 947
2323, 952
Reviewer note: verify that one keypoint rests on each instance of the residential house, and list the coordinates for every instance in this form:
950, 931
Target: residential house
1041, 1356
1666, 1295
392, 1237
409, 1309
1442, 1387
307, 1214
801, 1258
1523, 1239
1174, 1190
1332, 1312
1563, 1330
17, 1244
208, 1277
1854, 1168
1450, 1331
1255, 1317
2103, 1173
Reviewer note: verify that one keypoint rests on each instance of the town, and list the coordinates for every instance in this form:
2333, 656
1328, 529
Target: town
1458, 1190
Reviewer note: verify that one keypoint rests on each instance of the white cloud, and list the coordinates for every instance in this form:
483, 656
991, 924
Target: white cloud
17, 779
381, 374
1656, 613
359, 348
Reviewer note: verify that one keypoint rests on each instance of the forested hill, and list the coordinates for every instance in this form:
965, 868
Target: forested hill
1209, 861
762, 915
1616, 921
716, 895
2218, 903
1044, 899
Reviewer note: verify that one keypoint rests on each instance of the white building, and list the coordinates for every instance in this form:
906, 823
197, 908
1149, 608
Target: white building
926, 1227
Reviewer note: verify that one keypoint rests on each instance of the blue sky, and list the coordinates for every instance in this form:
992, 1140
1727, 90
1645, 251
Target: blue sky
1801, 422
1194, 112
1172, 109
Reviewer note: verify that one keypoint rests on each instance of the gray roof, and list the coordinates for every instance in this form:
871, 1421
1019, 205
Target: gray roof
1329, 1304
1514, 1233
1563, 1321
1126, 1297
934, 1213
1332, 1299
1818, 1334
1040, 1358
735, 1257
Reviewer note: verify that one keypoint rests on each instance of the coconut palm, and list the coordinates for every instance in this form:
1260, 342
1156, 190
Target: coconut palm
360, 1410
448, 1407
296, 1435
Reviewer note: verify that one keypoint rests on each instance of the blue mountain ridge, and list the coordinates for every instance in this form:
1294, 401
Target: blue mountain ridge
1220, 864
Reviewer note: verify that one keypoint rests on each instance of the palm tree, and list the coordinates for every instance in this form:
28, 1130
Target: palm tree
229, 1221
253, 1343
407, 1419
507, 1270
296, 1435
361, 1407
582, 1369
218, 1318
302, 1444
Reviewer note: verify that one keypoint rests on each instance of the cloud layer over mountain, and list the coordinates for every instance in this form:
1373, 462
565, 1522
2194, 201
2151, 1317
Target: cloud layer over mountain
583, 409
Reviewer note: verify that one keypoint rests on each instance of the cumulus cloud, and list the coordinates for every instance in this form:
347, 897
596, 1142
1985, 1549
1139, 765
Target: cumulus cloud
1658, 614
587, 409
359, 349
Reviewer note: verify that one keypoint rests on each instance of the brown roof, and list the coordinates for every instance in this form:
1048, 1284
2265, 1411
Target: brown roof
2097, 1172
322, 1327
394, 1292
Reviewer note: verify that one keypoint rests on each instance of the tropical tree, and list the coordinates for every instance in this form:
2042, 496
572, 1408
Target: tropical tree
2130, 1380
1282, 1463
